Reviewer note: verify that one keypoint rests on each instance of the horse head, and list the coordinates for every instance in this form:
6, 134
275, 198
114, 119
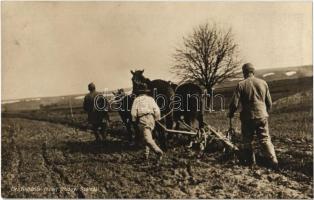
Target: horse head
138, 79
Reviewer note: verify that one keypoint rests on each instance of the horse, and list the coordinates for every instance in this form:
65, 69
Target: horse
163, 93
190, 106
124, 110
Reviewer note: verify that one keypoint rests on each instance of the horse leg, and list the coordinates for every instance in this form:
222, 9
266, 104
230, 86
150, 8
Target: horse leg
102, 128
200, 120
170, 123
137, 135
176, 118
161, 136
129, 130
95, 132
187, 119
194, 123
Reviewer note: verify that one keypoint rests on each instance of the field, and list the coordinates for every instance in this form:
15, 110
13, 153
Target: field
52, 155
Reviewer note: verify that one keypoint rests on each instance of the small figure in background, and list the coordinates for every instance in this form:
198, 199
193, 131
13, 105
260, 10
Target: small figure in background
95, 105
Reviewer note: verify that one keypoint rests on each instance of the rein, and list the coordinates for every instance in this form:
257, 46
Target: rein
171, 111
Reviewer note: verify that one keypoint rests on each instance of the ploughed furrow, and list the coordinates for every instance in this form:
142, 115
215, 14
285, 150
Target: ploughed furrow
48, 160
10, 161
33, 171
28, 175
52, 172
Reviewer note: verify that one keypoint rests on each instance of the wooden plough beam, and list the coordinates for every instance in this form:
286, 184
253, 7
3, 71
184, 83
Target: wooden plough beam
176, 131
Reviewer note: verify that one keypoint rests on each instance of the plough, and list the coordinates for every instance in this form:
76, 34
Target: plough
205, 135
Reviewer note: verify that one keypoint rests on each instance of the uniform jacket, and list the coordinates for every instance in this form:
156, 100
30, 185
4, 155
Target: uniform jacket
94, 116
253, 94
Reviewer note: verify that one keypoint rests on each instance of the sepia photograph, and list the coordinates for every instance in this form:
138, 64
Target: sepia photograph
157, 100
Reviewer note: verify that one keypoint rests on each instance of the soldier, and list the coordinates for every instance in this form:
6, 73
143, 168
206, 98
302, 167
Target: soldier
144, 112
97, 116
254, 96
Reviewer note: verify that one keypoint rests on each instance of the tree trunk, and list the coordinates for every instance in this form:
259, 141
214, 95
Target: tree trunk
209, 99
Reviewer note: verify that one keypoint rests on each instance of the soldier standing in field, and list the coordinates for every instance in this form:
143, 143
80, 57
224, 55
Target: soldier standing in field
253, 94
144, 112
94, 104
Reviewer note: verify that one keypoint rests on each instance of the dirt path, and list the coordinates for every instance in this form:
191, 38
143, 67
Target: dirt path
46, 160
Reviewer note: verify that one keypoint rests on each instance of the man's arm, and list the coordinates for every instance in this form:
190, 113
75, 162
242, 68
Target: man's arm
85, 106
134, 111
268, 100
234, 102
156, 110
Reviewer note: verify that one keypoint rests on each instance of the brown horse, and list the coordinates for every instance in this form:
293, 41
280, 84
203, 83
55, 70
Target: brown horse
190, 107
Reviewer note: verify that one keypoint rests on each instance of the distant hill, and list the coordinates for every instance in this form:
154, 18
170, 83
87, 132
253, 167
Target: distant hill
300, 98
272, 74
278, 78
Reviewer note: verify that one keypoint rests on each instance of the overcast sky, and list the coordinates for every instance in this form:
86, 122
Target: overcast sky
57, 48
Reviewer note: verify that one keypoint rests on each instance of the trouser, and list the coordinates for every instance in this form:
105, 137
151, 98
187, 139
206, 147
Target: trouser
149, 141
99, 131
260, 128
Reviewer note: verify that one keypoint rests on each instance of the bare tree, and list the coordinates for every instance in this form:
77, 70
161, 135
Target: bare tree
208, 56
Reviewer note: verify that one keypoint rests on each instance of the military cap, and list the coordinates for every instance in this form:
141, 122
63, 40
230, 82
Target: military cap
91, 86
248, 68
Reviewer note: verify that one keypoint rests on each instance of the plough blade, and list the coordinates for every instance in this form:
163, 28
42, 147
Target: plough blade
221, 137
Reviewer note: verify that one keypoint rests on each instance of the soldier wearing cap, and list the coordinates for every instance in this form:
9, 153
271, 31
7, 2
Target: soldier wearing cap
97, 116
253, 94
144, 112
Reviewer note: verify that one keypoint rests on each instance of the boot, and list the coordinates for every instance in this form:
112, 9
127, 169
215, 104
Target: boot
269, 151
247, 157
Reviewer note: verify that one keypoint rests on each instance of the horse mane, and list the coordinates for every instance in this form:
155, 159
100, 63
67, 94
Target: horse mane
147, 80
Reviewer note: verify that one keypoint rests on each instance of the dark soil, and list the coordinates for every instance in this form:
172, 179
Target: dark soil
50, 160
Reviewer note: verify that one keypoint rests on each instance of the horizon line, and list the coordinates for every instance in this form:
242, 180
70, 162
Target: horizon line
109, 90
